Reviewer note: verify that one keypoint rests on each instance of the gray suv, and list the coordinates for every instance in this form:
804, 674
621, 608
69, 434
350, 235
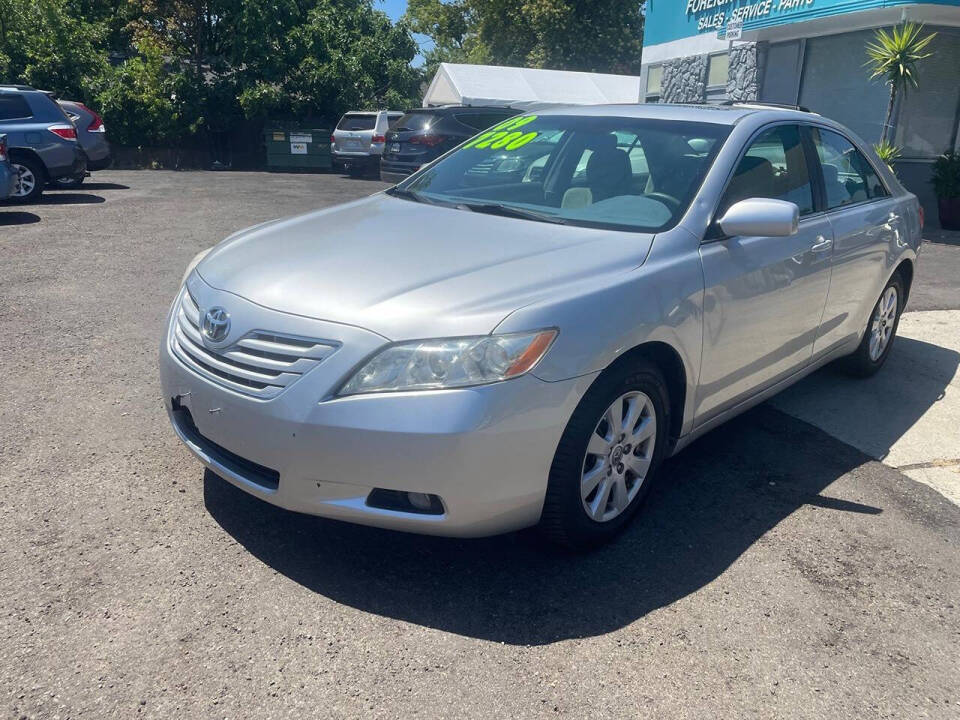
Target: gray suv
41, 140
525, 329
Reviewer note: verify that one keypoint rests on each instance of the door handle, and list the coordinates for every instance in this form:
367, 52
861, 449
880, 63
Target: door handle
821, 245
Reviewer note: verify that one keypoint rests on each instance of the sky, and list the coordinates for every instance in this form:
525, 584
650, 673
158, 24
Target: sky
396, 8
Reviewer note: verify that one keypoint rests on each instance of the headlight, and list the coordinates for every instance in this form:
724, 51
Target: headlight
193, 263
450, 362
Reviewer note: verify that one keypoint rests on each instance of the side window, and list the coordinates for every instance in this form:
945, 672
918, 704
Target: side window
13, 107
847, 175
773, 167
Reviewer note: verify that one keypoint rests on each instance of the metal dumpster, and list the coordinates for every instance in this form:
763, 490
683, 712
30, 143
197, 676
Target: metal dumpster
292, 148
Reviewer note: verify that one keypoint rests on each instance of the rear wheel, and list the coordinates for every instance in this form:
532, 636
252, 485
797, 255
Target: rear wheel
30, 180
69, 182
607, 457
881, 330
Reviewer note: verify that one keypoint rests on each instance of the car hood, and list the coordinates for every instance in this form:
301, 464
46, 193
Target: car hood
410, 270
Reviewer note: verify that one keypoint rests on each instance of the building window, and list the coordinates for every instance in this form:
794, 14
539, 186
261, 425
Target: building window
718, 68
654, 80
927, 125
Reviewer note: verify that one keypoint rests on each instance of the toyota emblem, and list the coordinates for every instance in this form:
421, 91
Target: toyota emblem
216, 324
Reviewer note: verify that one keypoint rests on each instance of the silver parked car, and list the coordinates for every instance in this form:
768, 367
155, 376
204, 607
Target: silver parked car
359, 138
521, 332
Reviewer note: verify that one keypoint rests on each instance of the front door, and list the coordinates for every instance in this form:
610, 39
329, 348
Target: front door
764, 296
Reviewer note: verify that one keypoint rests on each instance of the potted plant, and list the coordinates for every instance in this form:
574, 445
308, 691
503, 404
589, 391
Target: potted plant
946, 186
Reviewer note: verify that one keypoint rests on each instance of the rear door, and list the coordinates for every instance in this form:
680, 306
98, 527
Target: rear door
866, 225
354, 133
764, 296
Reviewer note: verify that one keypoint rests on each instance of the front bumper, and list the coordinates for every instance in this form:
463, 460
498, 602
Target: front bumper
485, 451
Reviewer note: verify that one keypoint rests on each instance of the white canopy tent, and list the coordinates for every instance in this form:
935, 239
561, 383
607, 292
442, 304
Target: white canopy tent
456, 84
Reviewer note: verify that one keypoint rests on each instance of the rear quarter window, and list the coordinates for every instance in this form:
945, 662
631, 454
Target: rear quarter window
14, 107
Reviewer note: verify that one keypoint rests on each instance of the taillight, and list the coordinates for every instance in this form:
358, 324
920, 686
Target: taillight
3, 149
922, 217
332, 139
428, 140
97, 124
67, 132
379, 138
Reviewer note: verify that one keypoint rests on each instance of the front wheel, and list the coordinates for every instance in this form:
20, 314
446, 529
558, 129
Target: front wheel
881, 330
607, 457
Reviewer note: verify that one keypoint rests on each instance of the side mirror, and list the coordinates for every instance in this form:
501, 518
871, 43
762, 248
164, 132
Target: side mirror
761, 216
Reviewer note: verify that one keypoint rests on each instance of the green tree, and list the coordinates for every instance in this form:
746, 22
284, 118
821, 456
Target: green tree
344, 56
142, 99
894, 56
600, 36
44, 43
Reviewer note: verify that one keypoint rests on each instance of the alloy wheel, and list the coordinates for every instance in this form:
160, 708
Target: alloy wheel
27, 181
884, 320
618, 457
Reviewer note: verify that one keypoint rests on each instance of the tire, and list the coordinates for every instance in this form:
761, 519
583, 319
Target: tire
872, 352
584, 520
32, 179
68, 183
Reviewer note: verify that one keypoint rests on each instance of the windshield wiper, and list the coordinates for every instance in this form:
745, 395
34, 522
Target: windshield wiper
409, 195
512, 211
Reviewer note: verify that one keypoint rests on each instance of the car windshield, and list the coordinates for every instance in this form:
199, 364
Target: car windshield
357, 122
625, 173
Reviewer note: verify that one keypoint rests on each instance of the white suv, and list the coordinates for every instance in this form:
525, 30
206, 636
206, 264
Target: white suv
358, 141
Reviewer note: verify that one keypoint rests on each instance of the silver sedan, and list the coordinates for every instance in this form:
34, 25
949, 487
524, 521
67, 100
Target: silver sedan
524, 330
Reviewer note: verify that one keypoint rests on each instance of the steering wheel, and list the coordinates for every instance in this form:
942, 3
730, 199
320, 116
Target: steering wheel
669, 200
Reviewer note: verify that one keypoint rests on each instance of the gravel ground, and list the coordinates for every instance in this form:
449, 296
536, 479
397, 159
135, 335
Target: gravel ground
779, 573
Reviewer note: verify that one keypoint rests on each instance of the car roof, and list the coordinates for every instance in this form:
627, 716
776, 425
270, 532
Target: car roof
718, 114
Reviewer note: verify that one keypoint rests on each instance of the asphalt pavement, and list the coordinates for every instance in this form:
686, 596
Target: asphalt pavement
777, 571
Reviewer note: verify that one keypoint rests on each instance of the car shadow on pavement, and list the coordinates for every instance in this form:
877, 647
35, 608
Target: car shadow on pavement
873, 414
18, 218
715, 500
104, 186
69, 198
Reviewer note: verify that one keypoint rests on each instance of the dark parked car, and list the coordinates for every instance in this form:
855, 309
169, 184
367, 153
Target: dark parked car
41, 138
8, 176
92, 136
424, 134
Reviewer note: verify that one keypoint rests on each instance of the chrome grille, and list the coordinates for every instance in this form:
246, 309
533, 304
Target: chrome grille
260, 363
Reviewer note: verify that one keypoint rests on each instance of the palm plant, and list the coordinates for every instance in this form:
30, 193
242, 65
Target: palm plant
888, 153
894, 57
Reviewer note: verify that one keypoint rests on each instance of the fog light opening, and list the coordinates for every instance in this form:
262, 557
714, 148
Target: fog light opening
421, 501
402, 501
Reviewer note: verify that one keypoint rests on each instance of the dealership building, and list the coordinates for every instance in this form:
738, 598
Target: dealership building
811, 53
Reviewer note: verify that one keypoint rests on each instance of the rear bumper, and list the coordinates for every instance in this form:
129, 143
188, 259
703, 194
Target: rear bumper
355, 160
78, 166
101, 163
8, 181
397, 171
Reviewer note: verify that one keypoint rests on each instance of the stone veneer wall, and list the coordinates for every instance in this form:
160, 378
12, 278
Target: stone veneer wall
684, 80
746, 71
